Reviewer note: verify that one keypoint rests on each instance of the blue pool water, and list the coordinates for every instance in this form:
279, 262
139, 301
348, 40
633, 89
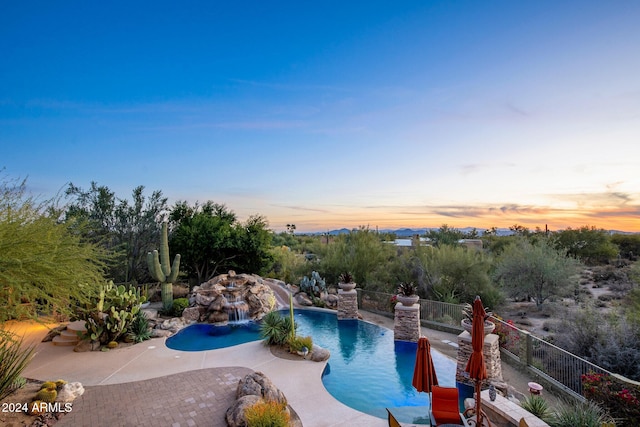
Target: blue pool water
367, 371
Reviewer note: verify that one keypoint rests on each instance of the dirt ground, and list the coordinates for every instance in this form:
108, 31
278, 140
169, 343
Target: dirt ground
545, 319
12, 415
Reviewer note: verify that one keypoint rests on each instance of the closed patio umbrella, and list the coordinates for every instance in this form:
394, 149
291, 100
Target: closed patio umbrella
424, 373
475, 366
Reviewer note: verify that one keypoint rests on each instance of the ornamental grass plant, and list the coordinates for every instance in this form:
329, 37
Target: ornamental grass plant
267, 414
14, 358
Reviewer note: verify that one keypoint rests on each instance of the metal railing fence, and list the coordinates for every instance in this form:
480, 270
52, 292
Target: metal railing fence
556, 365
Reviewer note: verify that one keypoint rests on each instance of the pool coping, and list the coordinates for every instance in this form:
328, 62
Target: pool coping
300, 381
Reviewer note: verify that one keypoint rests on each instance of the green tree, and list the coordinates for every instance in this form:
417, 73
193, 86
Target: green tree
628, 245
127, 229
44, 265
206, 238
445, 235
360, 252
254, 245
211, 240
589, 244
535, 270
456, 274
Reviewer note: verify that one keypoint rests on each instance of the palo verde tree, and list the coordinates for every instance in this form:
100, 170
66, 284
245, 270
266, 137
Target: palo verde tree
44, 265
535, 270
127, 229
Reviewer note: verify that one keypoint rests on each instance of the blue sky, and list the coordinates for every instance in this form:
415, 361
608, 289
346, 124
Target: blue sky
333, 114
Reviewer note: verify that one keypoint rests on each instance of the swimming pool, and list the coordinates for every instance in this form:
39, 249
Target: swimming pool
368, 370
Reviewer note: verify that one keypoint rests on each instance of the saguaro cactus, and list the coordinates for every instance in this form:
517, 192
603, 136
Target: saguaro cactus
161, 270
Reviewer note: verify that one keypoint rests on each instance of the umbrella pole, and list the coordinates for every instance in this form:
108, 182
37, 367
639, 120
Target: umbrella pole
478, 413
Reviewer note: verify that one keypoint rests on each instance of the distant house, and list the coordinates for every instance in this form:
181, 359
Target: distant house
471, 243
415, 241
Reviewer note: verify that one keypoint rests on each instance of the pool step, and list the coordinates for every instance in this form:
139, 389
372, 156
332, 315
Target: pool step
69, 336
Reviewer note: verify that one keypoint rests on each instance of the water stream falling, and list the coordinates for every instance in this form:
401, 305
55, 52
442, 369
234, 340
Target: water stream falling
237, 309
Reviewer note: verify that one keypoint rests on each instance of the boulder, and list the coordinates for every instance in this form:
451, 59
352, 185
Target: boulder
331, 300
303, 299
319, 354
191, 314
205, 298
173, 324
69, 392
86, 345
218, 303
160, 333
150, 313
214, 295
258, 384
236, 413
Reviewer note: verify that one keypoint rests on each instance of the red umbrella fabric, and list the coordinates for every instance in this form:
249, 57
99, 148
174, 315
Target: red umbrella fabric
475, 366
424, 373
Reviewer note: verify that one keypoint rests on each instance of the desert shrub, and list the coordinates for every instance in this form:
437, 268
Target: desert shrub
267, 414
612, 342
620, 399
179, 304
296, 344
610, 273
14, 358
551, 326
456, 274
536, 405
583, 414
508, 335
628, 244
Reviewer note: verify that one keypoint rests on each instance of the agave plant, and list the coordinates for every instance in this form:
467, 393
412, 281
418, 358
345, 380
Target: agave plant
537, 406
407, 289
346, 277
467, 311
584, 414
276, 329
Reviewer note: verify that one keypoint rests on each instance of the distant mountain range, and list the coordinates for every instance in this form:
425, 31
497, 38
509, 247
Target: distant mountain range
409, 232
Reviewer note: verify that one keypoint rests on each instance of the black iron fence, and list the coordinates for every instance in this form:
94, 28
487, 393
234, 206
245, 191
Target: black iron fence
556, 366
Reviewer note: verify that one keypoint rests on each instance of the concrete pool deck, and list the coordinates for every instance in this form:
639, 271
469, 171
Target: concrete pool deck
139, 383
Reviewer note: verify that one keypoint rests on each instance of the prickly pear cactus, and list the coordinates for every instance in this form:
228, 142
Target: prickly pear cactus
313, 286
161, 270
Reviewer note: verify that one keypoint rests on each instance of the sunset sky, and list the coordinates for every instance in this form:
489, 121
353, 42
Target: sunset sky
333, 114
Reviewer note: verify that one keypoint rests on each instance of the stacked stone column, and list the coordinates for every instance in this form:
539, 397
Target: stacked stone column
406, 325
347, 304
491, 352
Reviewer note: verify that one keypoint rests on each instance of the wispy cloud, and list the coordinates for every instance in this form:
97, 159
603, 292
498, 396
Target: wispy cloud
301, 208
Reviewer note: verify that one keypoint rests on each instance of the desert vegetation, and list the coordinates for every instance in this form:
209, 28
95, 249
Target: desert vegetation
578, 288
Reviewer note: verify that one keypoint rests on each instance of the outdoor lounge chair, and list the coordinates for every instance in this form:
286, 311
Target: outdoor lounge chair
445, 408
392, 420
